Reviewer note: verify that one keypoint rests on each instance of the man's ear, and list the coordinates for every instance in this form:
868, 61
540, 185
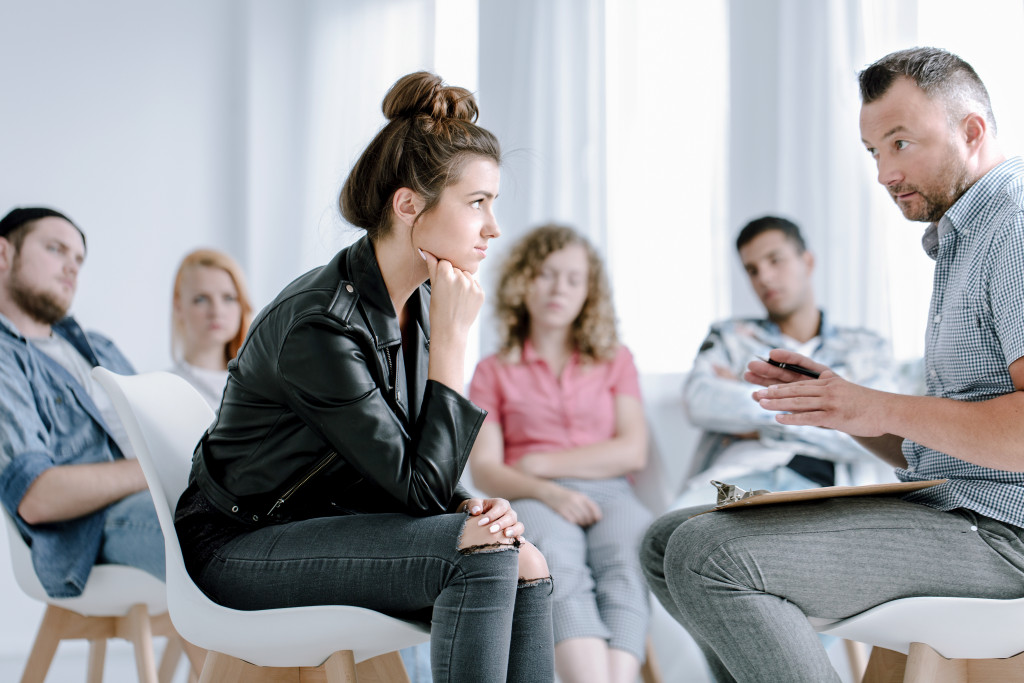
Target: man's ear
809, 260
6, 254
974, 129
406, 205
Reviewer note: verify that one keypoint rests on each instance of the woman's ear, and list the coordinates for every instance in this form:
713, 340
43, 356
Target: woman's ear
406, 205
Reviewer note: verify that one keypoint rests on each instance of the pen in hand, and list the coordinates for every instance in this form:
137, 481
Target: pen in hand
789, 366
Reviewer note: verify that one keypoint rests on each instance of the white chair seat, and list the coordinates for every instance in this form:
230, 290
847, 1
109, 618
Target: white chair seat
111, 591
165, 417
956, 628
114, 603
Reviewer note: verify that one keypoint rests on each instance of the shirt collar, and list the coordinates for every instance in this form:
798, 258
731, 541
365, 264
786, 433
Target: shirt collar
825, 326
529, 355
960, 216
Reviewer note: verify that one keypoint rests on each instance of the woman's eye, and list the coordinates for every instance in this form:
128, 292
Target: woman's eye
901, 144
476, 204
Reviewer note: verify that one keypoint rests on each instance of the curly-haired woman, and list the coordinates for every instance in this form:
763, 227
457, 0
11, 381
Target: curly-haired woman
564, 430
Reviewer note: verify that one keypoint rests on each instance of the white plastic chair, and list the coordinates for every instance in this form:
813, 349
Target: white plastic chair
939, 640
118, 601
165, 417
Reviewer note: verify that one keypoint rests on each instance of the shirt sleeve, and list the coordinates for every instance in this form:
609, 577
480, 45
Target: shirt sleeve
624, 376
25, 449
485, 389
1006, 288
720, 404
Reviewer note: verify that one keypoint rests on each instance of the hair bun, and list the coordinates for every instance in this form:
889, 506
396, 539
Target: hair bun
424, 93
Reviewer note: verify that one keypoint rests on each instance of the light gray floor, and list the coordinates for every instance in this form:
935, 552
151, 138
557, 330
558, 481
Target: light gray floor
69, 664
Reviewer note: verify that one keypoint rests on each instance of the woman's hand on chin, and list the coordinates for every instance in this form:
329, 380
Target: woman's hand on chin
455, 297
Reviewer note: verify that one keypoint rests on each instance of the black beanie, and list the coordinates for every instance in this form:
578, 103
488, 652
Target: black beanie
20, 216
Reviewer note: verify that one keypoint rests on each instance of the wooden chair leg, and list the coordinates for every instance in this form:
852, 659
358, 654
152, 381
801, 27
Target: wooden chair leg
857, 658
136, 628
169, 659
925, 665
196, 657
220, 668
341, 667
45, 646
885, 666
385, 668
649, 671
97, 658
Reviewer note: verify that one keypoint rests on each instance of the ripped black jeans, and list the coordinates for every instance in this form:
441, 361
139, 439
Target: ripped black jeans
486, 625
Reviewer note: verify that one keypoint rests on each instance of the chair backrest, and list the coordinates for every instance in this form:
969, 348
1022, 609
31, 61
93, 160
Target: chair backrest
111, 590
164, 417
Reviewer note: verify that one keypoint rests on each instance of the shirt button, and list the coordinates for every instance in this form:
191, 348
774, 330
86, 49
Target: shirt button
938, 317
974, 528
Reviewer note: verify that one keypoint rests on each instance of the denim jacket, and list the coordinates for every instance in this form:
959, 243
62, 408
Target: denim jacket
47, 419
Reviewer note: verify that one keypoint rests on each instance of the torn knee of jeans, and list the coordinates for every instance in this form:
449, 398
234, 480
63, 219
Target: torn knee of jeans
487, 548
530, 583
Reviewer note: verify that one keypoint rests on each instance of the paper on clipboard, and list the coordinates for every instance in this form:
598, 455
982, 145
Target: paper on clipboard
777, 497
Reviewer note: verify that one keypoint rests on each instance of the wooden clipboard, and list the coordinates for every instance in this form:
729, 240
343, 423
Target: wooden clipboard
777, 497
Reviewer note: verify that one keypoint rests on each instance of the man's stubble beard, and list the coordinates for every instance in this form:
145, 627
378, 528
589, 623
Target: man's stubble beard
43, 307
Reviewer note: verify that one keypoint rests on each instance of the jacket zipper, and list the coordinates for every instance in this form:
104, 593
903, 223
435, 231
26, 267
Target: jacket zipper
324, 462
397, 394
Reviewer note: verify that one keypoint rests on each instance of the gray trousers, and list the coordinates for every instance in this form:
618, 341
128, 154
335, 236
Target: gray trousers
743, 582
599, 589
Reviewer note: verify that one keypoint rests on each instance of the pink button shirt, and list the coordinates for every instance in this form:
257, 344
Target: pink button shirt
541, 413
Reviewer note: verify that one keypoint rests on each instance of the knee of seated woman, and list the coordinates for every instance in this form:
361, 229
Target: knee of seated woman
532, 565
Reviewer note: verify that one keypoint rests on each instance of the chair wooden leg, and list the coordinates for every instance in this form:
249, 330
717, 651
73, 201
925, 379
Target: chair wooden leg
341, 667
97, 658
649, 672
169, 659
885, 666
857, 658
45, 646
196, 657
925, 665
221, 668
136, 629
385, 668
996, 670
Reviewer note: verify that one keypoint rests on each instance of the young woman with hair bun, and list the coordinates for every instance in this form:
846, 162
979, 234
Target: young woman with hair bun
331, 475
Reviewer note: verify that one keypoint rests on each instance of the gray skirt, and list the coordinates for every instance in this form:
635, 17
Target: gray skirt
599, 588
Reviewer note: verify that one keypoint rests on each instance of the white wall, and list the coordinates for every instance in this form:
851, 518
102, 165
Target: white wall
120, 114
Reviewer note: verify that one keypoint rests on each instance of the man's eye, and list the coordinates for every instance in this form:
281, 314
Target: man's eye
476, 204
901, 144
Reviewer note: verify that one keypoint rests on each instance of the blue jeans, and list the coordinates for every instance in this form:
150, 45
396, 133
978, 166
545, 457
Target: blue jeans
485, 624
743, 582
132, 536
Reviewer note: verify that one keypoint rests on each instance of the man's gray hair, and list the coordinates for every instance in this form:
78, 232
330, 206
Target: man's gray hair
939, 74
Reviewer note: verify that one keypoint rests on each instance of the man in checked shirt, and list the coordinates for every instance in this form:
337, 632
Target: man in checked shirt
744, 583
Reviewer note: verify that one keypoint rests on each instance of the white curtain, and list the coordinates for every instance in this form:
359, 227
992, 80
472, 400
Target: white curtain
542, 94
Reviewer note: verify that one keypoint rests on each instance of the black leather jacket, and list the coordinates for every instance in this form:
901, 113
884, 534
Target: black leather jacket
316, 418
